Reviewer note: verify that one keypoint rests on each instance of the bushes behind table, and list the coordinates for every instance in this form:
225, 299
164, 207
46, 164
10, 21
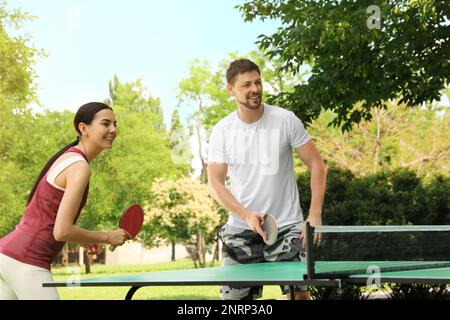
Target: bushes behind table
397, 197
386, 198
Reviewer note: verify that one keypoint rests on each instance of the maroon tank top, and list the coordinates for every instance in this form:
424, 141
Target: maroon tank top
32, 241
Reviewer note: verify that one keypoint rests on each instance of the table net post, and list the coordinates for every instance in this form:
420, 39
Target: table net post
309, 236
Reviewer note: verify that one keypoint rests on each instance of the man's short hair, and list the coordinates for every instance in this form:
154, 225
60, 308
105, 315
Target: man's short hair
238, 67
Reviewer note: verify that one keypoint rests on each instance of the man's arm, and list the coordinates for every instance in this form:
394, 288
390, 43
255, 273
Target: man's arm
310, 156
217, 173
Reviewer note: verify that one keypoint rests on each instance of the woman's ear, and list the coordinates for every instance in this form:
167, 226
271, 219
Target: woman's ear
83, 129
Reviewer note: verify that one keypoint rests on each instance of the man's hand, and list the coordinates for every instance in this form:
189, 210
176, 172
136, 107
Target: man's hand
315, 220
255, 222
310, 156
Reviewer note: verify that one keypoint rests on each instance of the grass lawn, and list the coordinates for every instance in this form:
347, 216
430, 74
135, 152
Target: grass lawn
145, 293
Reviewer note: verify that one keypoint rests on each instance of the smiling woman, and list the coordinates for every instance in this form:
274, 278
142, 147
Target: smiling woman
53, 207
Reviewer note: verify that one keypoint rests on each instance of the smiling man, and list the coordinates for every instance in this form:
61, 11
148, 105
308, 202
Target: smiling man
253, 147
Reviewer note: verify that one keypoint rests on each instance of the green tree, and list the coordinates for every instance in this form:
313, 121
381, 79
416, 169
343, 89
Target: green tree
356, 66
397, 197
196, 92
141, 153
17, 58
17, 127
179, 140
135, 97
183, 211
398, 137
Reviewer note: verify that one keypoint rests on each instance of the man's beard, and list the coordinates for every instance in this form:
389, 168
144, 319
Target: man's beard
248, 105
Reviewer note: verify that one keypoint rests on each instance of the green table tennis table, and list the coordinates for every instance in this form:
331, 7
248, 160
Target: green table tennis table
306, 273
271, 273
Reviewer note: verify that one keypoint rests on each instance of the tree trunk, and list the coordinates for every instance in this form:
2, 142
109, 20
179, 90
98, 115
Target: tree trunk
87, 262
173, 251
198, 127
65, 255
192, 250
377, 147
201, 249
216, 250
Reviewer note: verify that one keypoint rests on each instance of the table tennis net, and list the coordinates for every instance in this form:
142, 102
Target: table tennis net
354, 249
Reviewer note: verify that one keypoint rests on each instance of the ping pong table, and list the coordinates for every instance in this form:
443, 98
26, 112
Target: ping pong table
271, 273
291, 274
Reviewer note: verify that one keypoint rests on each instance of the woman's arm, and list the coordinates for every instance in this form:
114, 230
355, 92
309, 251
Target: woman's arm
77, 178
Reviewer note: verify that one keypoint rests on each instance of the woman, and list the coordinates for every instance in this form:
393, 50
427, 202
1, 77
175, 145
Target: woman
53, 207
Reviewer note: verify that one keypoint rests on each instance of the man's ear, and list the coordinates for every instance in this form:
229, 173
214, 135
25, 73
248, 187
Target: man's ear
230, 90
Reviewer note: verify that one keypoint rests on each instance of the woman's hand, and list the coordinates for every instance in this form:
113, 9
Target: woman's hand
118, 237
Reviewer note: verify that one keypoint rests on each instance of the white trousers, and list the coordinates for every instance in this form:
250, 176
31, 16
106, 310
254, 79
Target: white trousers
23, 281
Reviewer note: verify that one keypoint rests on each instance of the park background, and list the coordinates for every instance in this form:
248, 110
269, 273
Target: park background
369, 79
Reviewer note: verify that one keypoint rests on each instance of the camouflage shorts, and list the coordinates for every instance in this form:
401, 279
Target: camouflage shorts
241, 246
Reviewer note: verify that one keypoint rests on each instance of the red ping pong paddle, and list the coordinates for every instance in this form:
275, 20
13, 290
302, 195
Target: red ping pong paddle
131, 220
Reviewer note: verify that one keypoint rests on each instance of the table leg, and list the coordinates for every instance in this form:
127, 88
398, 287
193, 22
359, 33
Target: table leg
292, 292
131, 292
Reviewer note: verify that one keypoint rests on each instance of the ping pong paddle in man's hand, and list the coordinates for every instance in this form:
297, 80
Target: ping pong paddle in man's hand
270, 228
131, 221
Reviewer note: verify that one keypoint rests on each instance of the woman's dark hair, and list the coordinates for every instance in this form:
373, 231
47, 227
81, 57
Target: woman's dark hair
85, 114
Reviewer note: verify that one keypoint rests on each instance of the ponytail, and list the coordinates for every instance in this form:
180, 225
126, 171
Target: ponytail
47, 166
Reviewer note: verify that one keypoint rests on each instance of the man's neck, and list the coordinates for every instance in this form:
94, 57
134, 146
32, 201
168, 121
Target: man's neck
249, 115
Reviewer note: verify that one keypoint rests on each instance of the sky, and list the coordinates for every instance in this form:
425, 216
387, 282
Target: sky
88, 42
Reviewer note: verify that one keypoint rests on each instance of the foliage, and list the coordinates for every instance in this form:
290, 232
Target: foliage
197, 92
17, 58
397, 197
399, 137
17, 127
183, 211
419, 292
179, 141
134, 97
356, 65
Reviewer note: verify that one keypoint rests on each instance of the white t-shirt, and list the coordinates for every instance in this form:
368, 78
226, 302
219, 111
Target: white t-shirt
260, 162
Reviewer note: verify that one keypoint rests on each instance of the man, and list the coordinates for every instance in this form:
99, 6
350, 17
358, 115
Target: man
253, 146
